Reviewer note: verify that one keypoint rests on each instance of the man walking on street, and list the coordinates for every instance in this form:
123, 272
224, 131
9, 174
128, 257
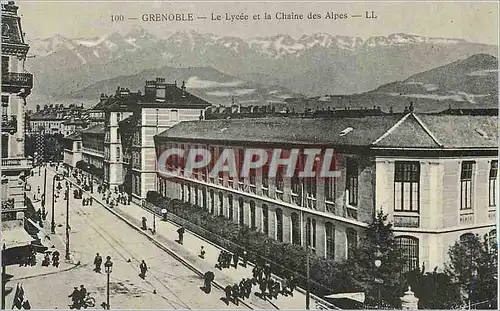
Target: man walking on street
82, 295
74, 297
144, 268
235, 260
181, 235
97, 263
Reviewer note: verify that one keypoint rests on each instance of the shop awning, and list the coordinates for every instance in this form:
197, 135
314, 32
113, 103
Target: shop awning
15, 237
360, 297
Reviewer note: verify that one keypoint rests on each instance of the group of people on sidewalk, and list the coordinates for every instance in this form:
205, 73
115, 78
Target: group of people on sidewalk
225, 258
55, 259
261, 276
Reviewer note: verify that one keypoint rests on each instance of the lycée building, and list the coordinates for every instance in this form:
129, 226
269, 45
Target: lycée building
434, 175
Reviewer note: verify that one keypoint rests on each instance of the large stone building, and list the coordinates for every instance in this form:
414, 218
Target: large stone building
16, 86
72, 149
129, 120
434, 175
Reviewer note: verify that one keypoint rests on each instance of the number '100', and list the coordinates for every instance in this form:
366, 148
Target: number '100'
117, 18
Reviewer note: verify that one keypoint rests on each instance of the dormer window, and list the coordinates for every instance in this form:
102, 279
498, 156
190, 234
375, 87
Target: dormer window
346, 131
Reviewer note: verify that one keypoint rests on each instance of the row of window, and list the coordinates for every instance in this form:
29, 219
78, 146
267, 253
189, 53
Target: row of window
310, 230
303, 191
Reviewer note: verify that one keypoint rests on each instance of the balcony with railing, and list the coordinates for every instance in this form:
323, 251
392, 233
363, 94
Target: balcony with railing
9, 124
16, 164
17, 80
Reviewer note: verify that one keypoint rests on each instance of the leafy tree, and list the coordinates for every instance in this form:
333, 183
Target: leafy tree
379, 243
473, 265
435, 290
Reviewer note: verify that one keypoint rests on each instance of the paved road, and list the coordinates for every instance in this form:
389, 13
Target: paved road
93, 229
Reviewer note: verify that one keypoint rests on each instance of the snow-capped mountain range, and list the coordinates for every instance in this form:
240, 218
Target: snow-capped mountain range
312, 64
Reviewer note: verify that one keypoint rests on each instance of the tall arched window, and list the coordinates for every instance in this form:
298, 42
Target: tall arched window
212, 202
311, 233
409, 251
279, 225
196, 196
352, 242
265, 219
241, 212
204, 198
221, 204
252, 214
492, 239
182, 191
230, 203
330, 240
295, 229
189, 193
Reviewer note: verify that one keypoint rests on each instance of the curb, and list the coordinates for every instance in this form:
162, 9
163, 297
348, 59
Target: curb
161, 246
47, 273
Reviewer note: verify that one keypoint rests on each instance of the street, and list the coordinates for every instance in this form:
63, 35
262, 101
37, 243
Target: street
168, 284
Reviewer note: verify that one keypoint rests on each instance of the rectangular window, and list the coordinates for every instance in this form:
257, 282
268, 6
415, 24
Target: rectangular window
493, 183
466, 185
265, 180
118, 155
78, 146
241, 158
407, 186
330, 240
5, 64
352, 181
352, 242
252, 180
280, 184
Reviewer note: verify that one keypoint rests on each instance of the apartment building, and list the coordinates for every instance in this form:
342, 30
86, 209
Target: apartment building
434, 175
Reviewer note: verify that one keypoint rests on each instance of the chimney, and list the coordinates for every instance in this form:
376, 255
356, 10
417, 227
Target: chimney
183, 88
160, 90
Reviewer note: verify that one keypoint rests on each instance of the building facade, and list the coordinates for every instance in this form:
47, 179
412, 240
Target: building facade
93, 147
72, 149
15, 167
435, 177
16, 86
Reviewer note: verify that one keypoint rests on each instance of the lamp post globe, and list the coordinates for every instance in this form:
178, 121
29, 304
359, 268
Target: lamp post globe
108, 265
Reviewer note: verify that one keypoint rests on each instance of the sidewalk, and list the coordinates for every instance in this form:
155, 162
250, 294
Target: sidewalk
166, 234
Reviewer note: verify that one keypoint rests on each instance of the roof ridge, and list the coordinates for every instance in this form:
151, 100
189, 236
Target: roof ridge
427, 130
389, 131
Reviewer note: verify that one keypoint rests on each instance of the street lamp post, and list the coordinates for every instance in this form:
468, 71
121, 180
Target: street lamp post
378, 281
53, 222
308, 289
108, 267
4, 279
44, 193
67, 224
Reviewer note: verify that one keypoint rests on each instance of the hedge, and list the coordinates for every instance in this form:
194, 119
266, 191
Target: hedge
327, 276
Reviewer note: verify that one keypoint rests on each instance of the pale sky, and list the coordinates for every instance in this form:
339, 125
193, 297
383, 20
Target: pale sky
472, 21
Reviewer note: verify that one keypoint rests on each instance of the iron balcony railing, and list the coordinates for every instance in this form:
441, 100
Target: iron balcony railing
24, 80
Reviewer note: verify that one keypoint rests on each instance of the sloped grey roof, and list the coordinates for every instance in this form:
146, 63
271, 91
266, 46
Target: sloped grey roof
388, 131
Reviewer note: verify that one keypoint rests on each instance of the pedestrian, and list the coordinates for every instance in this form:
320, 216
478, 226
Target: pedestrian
55, 259
74, 297
38, 189
97, 263
144, 268
144, 224
82, 295
227, 290
244, 258
202, 253
164, 214
91, 200
181, 231
208, 278
242, 289
235, 293
267, 270
218, 265
46, 260
262, 287
248, 287
235, 260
